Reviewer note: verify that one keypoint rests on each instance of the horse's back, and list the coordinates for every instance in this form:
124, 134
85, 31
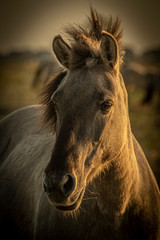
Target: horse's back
23, 142
25, 151
16, 126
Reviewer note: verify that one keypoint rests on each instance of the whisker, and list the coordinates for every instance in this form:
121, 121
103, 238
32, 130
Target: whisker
82, 209
76, 193
94, 193
90, 198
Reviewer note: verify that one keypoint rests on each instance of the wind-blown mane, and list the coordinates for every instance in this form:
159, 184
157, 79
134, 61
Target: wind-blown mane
85, 42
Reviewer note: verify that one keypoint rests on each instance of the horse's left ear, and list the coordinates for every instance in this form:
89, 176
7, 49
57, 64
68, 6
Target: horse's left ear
62, 50
109, 49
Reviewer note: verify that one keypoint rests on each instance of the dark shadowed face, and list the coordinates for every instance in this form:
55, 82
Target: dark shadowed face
90, 113
89, 105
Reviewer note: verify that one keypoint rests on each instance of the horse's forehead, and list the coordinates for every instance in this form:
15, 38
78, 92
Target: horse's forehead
87, 82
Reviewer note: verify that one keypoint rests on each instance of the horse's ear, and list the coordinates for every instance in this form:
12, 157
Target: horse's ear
109, 49
61, 50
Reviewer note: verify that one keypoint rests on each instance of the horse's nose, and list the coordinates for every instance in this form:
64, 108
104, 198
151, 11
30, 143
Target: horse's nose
64, 185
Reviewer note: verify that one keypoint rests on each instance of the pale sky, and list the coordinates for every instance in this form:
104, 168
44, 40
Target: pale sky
32, 24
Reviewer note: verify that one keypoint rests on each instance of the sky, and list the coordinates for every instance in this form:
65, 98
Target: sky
32, 24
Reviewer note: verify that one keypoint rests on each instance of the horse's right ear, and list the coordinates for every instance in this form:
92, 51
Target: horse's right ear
109, 50
62, 50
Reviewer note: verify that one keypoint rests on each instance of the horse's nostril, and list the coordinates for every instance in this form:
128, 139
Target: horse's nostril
67, 184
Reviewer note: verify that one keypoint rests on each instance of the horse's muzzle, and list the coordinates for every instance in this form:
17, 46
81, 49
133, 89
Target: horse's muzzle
61, 191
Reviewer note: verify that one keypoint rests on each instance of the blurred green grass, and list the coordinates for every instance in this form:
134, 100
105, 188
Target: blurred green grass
15, 85
16, 91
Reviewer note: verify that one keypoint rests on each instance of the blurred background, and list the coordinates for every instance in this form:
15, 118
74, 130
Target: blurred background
27, 29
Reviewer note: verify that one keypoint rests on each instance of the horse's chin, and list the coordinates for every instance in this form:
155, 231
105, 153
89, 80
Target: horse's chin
72, 207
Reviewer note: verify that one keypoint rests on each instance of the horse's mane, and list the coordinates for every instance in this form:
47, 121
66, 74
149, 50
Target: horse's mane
85, 41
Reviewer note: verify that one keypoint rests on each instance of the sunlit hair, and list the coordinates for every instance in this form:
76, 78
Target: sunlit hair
85, 41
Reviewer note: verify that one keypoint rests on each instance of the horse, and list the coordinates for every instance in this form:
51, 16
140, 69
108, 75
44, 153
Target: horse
81, 174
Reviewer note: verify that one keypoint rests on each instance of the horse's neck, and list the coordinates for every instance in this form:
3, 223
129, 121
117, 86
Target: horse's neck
118, 185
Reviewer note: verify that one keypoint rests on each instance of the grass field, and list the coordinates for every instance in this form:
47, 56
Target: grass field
15, 85
16, 91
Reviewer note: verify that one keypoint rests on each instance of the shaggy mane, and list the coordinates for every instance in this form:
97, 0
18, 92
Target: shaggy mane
49, 114
85, 42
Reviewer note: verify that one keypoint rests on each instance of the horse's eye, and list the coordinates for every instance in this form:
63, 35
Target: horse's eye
105, 106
